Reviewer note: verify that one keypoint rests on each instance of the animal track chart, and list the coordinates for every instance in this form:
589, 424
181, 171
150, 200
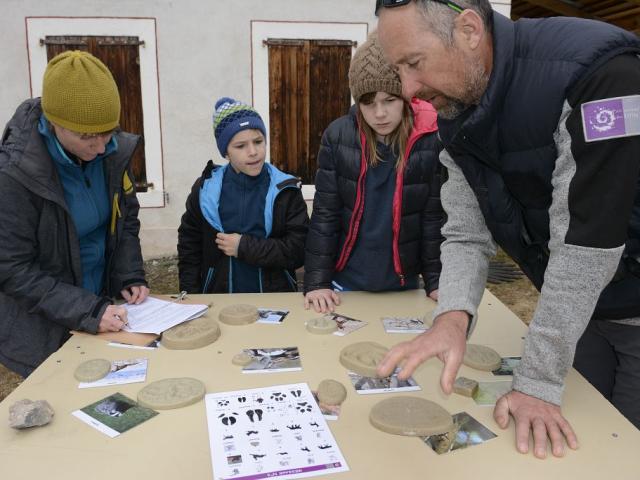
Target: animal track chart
276, 431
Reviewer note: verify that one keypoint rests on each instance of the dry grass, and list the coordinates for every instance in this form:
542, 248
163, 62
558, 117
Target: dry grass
520, 296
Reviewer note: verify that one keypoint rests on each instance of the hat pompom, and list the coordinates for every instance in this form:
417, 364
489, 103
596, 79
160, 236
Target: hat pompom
221, 101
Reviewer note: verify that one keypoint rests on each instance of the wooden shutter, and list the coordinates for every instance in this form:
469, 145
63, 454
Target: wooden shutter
308, 89
120, 55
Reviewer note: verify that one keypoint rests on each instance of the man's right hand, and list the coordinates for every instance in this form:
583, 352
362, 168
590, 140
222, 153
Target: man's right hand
323, 300
538, 419
446, 339
113, 320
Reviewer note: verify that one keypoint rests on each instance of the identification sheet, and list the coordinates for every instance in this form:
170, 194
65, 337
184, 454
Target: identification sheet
155, 315
268, 432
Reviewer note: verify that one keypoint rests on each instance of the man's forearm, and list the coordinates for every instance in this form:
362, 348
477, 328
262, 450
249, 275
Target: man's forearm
467, 248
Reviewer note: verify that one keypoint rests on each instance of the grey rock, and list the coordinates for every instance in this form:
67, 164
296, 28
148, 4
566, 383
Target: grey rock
25, 414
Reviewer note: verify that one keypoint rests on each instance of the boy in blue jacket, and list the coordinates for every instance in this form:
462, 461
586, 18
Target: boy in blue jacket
245, 223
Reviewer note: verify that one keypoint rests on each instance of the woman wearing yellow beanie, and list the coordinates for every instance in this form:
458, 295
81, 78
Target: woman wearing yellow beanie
69, 238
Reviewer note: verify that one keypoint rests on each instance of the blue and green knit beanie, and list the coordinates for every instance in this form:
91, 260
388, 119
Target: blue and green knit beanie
232, 116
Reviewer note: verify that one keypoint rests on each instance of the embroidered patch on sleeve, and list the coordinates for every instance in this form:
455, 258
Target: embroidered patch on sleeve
611, 118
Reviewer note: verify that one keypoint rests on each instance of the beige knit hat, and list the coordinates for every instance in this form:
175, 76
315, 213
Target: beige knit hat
370, 72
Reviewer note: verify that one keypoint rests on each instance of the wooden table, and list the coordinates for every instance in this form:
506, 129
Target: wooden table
175, 444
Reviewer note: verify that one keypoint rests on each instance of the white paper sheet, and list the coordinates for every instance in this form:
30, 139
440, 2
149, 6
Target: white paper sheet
155, 315
269, 432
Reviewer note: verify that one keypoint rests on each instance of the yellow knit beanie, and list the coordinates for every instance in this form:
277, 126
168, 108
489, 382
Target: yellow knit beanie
79, 93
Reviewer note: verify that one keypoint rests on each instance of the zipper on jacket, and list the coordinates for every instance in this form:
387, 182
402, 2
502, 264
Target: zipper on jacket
397, 212
292, 281
260, 278
230, 278
358, 209
208, 279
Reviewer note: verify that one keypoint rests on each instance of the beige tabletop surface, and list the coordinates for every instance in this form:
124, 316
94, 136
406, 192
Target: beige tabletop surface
175, 443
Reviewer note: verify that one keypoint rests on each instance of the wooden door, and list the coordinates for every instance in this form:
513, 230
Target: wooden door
308, 89
120, 55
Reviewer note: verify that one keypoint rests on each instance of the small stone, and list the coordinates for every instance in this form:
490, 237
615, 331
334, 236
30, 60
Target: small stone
25, 414
465, 386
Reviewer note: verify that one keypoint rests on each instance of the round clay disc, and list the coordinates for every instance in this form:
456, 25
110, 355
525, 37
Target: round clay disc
363, 357
92, 370
481, 357
331, 392
171, 393
242, 359
411, 416
321, 326
238, 314
190, 335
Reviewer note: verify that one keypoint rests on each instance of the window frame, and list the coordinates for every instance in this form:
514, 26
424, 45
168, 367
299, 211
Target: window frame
145, 29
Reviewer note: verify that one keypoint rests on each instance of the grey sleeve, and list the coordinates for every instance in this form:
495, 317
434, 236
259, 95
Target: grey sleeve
467, 247
574, 278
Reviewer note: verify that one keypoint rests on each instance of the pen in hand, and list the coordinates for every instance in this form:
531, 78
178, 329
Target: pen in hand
113, 319
125, 322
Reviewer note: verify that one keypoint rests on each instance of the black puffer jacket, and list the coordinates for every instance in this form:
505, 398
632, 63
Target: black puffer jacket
204, 268
41, 294
333, 226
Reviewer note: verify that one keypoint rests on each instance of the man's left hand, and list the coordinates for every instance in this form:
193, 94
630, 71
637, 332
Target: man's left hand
228, 243
135, 294
534, 415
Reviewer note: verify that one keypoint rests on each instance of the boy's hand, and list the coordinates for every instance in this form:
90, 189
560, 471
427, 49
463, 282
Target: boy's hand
228, 243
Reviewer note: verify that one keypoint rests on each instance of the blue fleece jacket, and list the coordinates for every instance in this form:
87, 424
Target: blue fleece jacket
237, 203
87, 198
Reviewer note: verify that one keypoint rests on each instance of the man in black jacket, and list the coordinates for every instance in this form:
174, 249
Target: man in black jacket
540, 120
69, 237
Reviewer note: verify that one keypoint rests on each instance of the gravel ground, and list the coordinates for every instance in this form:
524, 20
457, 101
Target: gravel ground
162, 274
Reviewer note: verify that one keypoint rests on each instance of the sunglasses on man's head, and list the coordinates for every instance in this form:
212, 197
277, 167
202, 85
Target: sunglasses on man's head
397, 3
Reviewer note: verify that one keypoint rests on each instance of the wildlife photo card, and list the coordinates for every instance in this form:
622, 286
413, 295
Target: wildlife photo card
271, 316
114, 414
346, 325
507, 366
368, 385
269, 360
403, 325
467, 432
122, 372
